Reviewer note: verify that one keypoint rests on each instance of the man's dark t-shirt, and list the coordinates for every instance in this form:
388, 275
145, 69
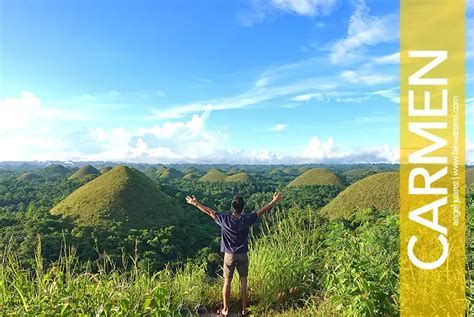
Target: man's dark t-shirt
234, 232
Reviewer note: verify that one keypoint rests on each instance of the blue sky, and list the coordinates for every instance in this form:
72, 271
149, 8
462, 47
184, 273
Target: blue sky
262, 81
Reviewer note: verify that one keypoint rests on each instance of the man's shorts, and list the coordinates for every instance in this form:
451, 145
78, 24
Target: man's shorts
236, 260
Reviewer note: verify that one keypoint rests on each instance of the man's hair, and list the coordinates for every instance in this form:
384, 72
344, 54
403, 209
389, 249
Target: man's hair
237, 204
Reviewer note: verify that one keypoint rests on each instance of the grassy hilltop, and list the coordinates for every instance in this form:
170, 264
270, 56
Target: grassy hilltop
169, 173
380, 191
214, 175
241, 177
123, 195
87, 172
316, 176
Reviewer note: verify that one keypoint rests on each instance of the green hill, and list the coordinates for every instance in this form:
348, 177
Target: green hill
169, 173
316, 176
277, 172
105, 169
87, 172
357, 174
239, 178
470, 176
28, 177
379, 191
233, 170
56, 169
190, 176
214, 175
190, 169
123, 195
291, 171
150, 170
302, 169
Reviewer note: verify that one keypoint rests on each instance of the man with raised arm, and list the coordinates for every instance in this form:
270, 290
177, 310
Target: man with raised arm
234, 242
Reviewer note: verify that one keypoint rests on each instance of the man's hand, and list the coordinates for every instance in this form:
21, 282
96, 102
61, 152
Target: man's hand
277, 197
192, 200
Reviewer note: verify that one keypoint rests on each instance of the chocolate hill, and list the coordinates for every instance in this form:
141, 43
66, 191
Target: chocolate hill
316, 176
122, 196
380, 191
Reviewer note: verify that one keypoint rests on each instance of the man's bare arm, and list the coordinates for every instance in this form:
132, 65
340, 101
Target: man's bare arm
276, 199
193, 201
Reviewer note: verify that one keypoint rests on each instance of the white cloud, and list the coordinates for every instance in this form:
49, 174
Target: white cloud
366, 78
308, 97
305, 7
262, 9
364, 30
279, 127
392, 94
317, 149
248, 98
170, 141
388, 59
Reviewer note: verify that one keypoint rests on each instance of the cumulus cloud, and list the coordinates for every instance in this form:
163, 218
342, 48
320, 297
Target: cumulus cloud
364, 30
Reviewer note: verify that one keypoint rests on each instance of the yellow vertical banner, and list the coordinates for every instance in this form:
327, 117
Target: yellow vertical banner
432, 157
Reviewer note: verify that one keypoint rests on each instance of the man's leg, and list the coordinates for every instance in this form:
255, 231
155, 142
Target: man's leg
244, 293
228, 267
243, 268
226, 294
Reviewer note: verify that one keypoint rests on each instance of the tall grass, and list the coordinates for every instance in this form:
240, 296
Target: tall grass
300, 265
63, 290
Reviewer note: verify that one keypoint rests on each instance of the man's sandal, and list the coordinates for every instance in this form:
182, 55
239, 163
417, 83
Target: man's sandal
219, 312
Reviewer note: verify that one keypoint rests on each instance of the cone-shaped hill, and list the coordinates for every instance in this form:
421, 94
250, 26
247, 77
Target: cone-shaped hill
239, 178
56, 169
380, 191
123, 195
190, 176
87, 172
291, 171
190, 169
470, 176
233, 170
277, 172
104, 170
28, 177
302, 169
316, 176
214, 175
169, 173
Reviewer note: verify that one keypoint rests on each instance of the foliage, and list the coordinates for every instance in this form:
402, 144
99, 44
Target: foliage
357, 174
470, 176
